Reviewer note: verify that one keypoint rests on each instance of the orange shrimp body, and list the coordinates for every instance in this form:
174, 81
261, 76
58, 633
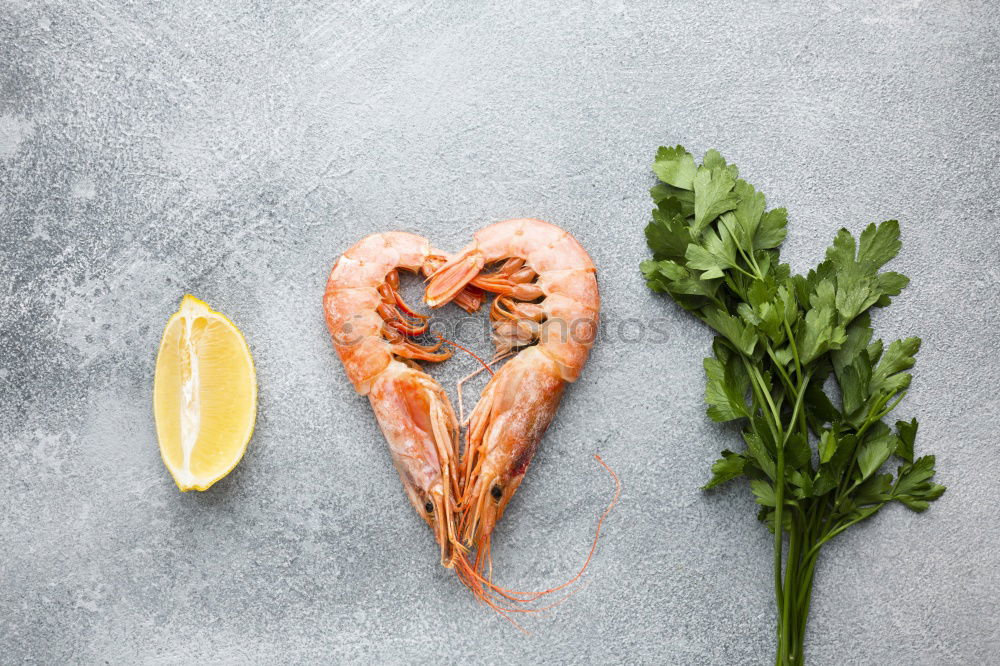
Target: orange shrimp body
371, 327
546, 306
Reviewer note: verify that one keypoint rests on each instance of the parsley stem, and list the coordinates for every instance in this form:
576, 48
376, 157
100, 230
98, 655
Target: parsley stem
751, 262
781, 370
790, 575
805, 597
792, 346
760, 393
766, 391
794, 533
749, 275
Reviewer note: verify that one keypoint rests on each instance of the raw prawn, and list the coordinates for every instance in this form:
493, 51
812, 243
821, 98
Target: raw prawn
546, 307
372, 327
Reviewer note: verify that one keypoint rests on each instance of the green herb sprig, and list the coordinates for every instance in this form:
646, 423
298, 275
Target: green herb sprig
813, 463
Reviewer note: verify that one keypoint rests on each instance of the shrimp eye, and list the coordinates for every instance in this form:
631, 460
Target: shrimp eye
497, 493
429, 507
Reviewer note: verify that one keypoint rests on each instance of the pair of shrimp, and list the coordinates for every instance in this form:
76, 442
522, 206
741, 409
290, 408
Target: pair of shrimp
545, 312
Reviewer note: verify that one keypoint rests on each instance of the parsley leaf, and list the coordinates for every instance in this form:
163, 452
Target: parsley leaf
712, 196
675, 166
726, 468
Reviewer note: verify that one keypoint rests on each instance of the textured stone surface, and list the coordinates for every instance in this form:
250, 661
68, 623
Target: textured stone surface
234, 149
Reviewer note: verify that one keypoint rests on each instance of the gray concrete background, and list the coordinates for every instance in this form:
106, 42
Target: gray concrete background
234, 149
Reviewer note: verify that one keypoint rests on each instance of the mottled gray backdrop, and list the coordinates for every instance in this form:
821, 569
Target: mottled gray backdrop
234, 149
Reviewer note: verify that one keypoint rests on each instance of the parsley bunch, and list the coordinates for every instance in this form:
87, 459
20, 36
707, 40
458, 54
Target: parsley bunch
813, 456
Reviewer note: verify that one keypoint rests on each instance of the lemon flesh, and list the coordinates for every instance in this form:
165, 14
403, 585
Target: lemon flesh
204, 395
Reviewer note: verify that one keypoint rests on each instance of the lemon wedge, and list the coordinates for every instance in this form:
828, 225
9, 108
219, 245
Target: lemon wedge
204, 395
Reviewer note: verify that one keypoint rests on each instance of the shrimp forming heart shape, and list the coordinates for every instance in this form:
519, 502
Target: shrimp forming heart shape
545, 314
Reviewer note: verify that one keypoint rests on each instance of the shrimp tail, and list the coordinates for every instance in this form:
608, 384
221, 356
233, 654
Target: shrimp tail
469, 299
452, 277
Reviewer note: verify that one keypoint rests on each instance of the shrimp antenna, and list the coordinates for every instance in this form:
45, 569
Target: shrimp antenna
597, 532
467, 351
461, 382
483, 587
483, 590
